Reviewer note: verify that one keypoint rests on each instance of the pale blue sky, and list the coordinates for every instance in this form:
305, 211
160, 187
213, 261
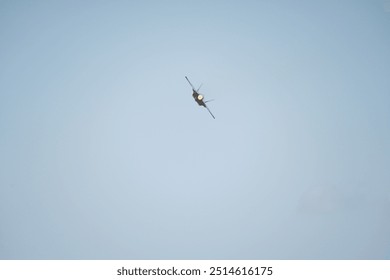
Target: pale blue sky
105, 155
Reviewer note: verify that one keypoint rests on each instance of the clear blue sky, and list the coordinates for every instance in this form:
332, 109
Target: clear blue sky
105, 155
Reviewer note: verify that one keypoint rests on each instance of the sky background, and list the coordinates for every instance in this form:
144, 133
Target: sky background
105, 155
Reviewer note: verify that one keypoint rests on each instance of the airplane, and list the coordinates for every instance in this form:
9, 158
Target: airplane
199, 97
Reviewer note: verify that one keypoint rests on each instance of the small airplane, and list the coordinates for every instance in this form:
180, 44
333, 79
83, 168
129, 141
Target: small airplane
199, 97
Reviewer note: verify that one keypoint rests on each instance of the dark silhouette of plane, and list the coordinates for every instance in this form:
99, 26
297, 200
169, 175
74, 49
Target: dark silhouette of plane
199, 97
